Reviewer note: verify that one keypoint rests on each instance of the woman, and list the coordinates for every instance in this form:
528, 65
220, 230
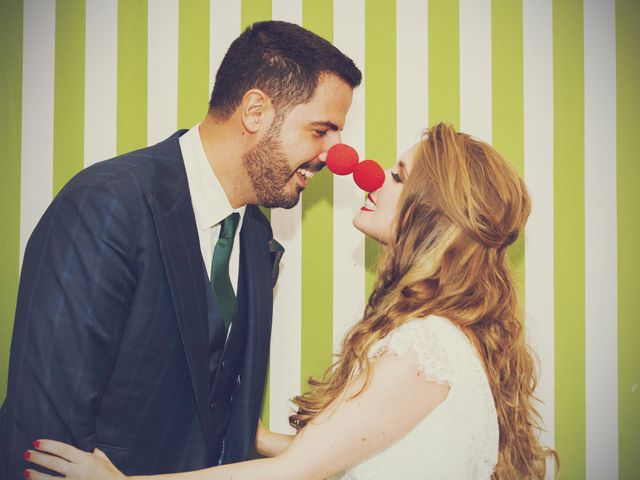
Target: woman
435, 381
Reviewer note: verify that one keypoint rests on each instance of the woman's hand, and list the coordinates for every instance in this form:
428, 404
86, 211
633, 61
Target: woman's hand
70, 462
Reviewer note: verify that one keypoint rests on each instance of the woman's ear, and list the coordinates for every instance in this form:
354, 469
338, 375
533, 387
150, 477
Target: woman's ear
254, 109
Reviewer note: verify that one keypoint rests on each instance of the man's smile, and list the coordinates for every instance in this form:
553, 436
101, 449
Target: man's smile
307, 171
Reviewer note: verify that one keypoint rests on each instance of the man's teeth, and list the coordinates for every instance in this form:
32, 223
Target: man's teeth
306, 173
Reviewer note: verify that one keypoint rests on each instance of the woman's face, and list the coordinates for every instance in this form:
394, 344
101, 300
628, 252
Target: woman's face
376, 216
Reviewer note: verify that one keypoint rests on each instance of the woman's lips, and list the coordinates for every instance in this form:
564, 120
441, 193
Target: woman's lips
369, 205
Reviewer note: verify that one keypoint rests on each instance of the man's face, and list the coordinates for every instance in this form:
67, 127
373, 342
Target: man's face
294, 148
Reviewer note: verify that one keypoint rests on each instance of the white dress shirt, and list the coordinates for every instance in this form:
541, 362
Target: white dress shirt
210, 203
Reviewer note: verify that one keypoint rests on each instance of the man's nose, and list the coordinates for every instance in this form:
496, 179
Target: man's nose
333, 138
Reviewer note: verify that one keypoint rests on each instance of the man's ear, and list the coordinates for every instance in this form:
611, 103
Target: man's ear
255, 110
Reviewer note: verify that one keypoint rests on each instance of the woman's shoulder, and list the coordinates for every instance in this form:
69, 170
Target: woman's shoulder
435, 328
438, 345
420, 338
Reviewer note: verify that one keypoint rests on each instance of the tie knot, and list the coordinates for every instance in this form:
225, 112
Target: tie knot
229, 225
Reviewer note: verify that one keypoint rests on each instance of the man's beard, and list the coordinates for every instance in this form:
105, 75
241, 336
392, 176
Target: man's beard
269, 172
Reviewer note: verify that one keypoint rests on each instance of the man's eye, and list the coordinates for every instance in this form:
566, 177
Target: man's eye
396, 177
320, 133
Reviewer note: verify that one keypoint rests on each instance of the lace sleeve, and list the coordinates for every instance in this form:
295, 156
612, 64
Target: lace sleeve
417, 338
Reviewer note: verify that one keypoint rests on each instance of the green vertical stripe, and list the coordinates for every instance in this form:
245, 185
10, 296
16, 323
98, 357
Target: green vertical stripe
68, 111
628, 180
132, 75
266, 401
254, 11
444, 62
10, 146
507, 94
380, 101
193, 62
317, 239
569, 248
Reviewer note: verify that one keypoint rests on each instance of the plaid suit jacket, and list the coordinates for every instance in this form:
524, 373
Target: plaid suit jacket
110, 340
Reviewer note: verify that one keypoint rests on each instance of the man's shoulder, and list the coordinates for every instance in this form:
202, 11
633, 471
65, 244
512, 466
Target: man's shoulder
132, 169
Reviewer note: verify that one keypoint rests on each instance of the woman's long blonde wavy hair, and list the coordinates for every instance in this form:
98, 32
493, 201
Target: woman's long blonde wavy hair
460, 209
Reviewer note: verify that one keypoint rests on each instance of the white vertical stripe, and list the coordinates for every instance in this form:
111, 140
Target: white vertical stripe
285, 358
411, 72
101, 80
287, 11
226, 18
348, 243
538, 171
286, 354
36, 178
601, 332
475, 68
162, 94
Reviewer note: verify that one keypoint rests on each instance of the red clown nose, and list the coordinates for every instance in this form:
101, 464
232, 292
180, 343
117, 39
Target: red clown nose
368, 175
342, 159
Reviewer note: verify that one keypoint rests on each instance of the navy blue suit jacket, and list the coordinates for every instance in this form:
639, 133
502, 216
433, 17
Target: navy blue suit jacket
110, 341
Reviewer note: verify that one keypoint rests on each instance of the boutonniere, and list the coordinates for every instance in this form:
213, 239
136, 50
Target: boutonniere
276, 251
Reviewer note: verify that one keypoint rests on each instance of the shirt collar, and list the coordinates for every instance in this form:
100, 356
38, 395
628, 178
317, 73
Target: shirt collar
210, 203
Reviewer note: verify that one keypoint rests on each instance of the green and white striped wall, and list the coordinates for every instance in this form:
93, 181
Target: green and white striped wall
553, 84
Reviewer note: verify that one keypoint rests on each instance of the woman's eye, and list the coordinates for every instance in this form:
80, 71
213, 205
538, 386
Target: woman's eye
396, 177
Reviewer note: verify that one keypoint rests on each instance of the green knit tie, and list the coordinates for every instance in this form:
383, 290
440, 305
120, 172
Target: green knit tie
220, 281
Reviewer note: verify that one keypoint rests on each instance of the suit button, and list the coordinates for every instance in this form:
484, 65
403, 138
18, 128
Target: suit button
224, 363
238, 380
212, 405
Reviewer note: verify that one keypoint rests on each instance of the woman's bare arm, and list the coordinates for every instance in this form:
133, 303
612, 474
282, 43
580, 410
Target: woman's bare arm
270, 443
350, 430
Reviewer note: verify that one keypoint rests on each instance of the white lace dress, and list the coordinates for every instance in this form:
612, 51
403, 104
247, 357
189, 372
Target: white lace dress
458, 440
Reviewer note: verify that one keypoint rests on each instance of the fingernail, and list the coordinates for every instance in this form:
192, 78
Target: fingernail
26, 454
26, 474
36, 443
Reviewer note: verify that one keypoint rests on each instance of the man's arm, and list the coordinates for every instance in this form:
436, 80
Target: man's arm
76, 285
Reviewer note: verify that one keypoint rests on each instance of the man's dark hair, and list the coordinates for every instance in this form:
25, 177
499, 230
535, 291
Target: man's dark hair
282, 59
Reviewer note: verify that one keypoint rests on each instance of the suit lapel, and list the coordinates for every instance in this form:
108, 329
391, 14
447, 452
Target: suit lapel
180, 248
257, 294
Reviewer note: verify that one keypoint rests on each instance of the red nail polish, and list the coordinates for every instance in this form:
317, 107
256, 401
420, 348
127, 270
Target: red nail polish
26, 474
36, 443
26, 454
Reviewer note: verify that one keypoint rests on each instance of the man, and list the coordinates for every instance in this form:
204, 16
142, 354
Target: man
139, 328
